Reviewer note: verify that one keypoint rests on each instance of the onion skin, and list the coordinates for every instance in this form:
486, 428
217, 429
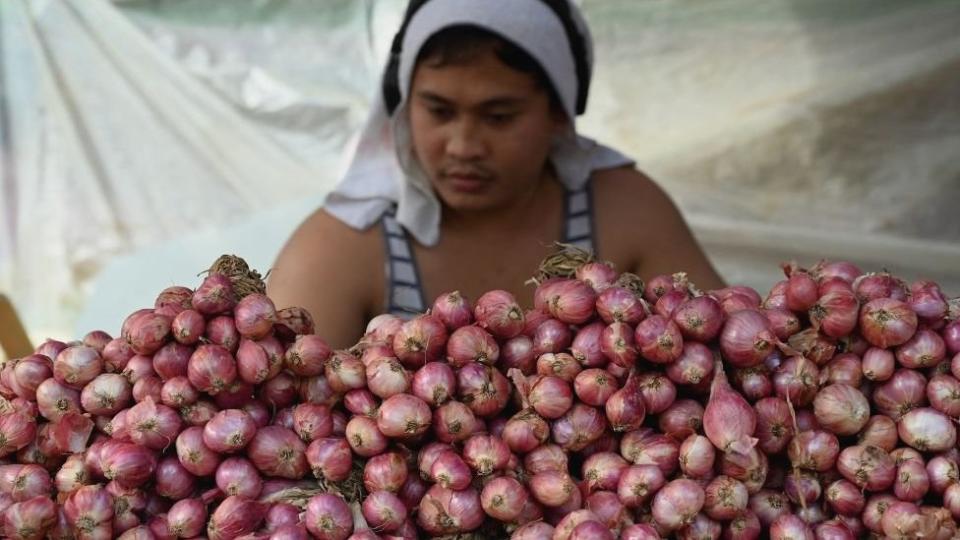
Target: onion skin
728, 420
677, 504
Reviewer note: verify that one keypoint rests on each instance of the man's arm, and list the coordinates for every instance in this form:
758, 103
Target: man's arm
648, 230
330, 270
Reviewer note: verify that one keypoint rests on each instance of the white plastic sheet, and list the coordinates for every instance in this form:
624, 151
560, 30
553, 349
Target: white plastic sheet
786, 129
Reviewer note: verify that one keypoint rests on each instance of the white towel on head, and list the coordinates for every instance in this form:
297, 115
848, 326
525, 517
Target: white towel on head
383, 171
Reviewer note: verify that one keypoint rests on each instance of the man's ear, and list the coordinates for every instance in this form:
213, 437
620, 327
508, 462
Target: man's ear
560, 121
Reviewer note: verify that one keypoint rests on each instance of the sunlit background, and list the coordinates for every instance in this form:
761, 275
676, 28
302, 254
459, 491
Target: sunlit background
141, 139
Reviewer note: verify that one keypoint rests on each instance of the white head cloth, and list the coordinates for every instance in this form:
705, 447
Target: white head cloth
383, 172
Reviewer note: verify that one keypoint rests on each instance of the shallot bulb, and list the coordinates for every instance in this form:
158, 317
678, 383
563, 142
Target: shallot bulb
747, 338
677, 504
728, 420
500, 314
453, 309
841, 409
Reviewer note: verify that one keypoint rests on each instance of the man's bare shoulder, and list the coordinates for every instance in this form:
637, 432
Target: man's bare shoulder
627, 193
332, 270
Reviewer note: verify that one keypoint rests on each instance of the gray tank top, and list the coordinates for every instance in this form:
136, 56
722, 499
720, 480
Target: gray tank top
405, 297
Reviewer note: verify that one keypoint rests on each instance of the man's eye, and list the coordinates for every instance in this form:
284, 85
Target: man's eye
440, 113
501, 118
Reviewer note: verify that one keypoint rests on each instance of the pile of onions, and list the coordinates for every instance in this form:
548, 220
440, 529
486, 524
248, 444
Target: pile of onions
612, 409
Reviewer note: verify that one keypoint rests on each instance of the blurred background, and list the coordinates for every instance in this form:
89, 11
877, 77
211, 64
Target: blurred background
140, 139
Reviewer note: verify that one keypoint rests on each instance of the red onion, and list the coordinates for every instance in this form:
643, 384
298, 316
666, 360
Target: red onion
769, 505
926, 348
17, 430
747, 338
384, 511
699, 319
364, 437
579, 427
153, 425
386, 472
29, 373
728, 420
483, 388
609, 510
774, 425
927, 300
657, 391
307, 356
450, 471
30, 519
253, 365
518, 353
561, 365
569, 300
211, 368
471, 344
500, 314
586, 348
198, 414
129, 464
386, 377
943, 472
683, 416
186, 518
694, 365
750, 468
868, 467
790, 527
841, 409
277, 451
638, 483
835, 313
595, 386
255, 316
802, 487
677, 503
551, 336
532, 318
175, 298
886, 322
905, 391
486, 454
617, 344
784, 323
601, 471
236, 516
725, 498
23, 482
844, 368
435, 383
237, 476
361, 402
329, 459
599, 275
453, 421
551, 488
178, 392
551, 397
943, 392
662, 284
282, 390
503, 498
453, 309
618, 304
904, 520
281, 515
172, 360
223, 332
696, 456
77, 365
147, 387
188, 327
173, 480
403, 415
927, 430
659, 340
912, 481
51, 347
814, 450
443, 511
647, 447
548, 457
194, 455
626, 408
317, 389
138, 367
524, 431
215, 295
801, 289
73, 474
312, 421
845, 498
148, 332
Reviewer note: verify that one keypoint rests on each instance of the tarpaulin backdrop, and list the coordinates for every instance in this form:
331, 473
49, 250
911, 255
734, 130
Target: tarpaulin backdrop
141, 139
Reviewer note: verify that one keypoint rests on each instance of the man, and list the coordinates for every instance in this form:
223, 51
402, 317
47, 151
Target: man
470, 169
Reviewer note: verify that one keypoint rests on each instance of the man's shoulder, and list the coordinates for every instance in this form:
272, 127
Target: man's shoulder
626, 192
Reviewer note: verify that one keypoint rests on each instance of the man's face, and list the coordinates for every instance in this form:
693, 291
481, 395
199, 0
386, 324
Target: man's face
481, 130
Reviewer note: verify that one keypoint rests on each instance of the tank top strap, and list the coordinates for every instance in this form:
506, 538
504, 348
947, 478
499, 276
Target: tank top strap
578, 218
404, 289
